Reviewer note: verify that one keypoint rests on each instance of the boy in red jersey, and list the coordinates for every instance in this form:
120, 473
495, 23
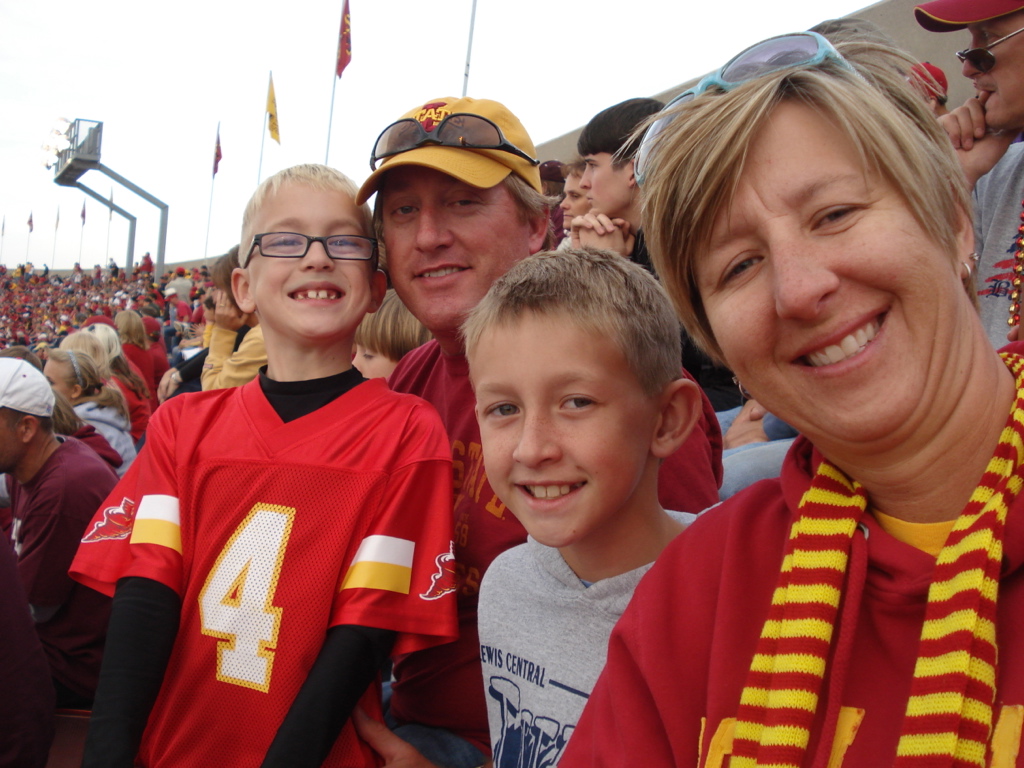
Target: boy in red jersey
274, 542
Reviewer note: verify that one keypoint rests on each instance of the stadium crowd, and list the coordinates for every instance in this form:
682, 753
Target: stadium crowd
40, 307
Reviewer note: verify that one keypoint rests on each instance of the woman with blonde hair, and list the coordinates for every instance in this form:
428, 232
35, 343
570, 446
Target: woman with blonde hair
135, 345
102, 342
76, 375
808, 216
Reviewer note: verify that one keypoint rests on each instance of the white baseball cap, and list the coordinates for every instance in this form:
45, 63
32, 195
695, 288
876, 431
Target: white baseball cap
23, 388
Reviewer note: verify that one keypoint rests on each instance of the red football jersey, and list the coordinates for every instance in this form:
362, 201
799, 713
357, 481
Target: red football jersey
271, 533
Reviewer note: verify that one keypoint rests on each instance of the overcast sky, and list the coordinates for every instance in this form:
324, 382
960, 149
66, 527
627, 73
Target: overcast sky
161, 76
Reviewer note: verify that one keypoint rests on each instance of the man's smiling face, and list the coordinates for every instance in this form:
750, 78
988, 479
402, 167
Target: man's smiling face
448, 241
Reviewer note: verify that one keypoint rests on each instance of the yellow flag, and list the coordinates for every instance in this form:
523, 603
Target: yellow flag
272, 112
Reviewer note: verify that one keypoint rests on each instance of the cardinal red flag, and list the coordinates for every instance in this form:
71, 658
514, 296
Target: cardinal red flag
344, 41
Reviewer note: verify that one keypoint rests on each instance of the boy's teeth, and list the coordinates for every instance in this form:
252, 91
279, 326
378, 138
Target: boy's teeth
848, 347
548, 491
317, 294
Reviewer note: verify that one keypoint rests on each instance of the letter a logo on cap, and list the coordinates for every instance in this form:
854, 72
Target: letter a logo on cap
432, 114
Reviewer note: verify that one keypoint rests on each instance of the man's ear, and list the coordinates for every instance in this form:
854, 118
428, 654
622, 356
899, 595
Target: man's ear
27, 429
681, 406
241, 287
538, 231
378, 287
631, 181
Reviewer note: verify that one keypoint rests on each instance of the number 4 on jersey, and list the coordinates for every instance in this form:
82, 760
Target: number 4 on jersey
236, 603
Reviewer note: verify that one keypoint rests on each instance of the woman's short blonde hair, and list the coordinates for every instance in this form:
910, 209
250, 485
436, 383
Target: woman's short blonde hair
599, 292
695, 163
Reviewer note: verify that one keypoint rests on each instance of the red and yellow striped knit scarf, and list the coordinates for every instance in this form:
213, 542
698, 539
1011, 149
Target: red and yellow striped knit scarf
948, 721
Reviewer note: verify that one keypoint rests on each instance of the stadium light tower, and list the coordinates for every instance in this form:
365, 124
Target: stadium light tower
78, 153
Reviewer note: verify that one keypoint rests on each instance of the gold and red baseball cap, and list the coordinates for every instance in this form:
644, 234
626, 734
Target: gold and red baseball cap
951, 15
483, 168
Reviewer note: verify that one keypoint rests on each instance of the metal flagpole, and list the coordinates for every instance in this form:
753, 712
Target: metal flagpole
209, 215
266, 124
341, 60
330, 120
110, 218
53, 256
469, 51
213, 180
259, 171
81, 237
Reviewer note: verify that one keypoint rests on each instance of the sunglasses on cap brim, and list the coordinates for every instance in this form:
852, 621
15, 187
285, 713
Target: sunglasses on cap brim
461, 130
792, 51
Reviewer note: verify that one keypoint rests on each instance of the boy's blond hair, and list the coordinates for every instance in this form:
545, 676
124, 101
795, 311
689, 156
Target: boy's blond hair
600, 292
696, 162
319, 177
392, 331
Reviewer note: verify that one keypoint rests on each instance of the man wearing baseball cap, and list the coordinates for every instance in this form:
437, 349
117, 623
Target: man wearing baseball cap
56, 484
930, 82
459, 202
982, 131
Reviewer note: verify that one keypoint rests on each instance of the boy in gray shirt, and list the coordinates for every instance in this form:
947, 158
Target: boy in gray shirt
574, 359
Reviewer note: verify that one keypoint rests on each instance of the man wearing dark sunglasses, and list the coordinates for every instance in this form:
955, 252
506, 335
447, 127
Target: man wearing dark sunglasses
458, 204
983, 131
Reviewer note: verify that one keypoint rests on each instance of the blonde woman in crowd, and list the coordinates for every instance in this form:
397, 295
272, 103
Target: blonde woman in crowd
135, 346
76, 375
116, 368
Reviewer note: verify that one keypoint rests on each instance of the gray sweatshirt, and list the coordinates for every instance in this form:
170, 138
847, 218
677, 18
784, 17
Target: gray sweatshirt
997, 207
543, 643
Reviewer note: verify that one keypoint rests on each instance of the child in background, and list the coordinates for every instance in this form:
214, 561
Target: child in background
277, 540
101, 342
574, 359
233, 337
78, 377
386, 336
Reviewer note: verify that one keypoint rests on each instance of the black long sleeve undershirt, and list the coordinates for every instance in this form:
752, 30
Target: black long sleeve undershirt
143, 626
141, 634
348, 662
